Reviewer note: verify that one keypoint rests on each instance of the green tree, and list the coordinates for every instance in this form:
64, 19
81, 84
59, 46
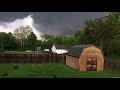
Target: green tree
2, 34
102, 31
39, 43
113, 48
32, 41
7, 41
79, 36
47, 36
21, 33
60, 40
47, 41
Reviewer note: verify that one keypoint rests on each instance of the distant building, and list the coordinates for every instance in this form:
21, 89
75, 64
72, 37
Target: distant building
59, 49
46, 49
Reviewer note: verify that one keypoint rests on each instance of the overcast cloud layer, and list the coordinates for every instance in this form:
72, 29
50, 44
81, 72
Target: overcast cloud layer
56, 23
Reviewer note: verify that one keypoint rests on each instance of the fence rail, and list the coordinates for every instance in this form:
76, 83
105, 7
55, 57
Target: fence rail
113, 64
32, 58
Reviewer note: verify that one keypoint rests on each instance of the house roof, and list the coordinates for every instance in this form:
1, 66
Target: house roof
76, 51
60, 46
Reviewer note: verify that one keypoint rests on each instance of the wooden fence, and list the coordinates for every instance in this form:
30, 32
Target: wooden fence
113, 64
31, 58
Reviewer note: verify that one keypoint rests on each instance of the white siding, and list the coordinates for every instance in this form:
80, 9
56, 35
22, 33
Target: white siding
53, 48
58, 51
61, 51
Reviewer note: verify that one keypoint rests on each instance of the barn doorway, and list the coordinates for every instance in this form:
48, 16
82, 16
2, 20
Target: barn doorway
91, 64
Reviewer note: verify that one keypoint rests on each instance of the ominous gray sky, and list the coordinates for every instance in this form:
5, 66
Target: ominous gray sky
56, 23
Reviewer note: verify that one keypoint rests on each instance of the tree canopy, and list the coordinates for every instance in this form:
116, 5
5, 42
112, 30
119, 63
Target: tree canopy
32, 41
22, 32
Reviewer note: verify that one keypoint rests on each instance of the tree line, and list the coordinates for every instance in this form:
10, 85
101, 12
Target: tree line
102, 32
23, 39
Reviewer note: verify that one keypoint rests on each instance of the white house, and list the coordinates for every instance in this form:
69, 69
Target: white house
59, 49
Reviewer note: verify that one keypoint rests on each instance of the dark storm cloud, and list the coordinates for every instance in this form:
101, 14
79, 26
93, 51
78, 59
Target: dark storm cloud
57, 23
10, 16
64, 22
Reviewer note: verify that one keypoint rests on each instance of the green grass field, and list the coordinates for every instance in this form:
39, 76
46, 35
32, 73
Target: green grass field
49, 70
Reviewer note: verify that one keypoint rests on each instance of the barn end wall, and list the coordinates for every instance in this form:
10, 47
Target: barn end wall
72, 62
83, 62
91, 52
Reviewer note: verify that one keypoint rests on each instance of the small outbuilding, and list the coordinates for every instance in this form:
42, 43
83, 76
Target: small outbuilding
85, 58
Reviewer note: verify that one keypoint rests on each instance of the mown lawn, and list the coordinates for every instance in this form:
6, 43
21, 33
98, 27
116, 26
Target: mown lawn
49, 70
